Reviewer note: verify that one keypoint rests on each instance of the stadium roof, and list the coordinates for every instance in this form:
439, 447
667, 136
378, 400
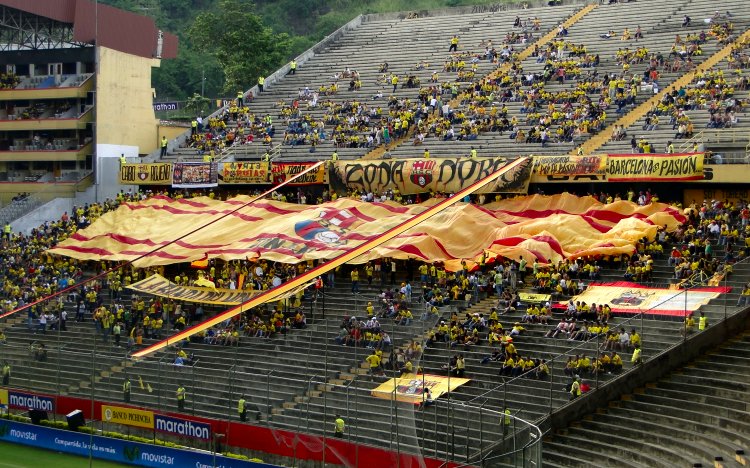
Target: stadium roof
102, 25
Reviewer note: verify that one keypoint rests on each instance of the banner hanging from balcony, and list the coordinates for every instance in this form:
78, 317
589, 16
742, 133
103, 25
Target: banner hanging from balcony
570, 165
412, 176
146, 174
412, 388
632, 298
194, 175
654, 167
280, 172
244, 173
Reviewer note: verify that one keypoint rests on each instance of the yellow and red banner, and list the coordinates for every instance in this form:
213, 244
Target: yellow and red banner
570, 165
633, 298
281, 172
654, 167
157, 285
536, 227
344, 257
128, 416
146, 174
411, 176
244, 173
411, 388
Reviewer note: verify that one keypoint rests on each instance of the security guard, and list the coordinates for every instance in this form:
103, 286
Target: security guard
193, 127
426, 154
181, 393
7, 230
126, 390
339, 427
292, 67
334, 156
506, 421
261, 82
240, 97
164, 143
702, 322
6, 373
473, 152
123, 161
670, 147
266, 157
241, 408
575, 389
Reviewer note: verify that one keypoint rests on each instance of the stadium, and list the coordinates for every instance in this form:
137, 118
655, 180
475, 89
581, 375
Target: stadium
492, 235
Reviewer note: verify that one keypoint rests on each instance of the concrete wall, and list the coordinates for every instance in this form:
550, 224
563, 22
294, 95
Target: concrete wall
490, 8
50, 211
124, 111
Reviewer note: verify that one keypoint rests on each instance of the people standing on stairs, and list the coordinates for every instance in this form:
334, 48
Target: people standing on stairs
636, 358
181, 394
454, 44
164, 143
241, 408
261, 82
744, 298
688, 325
126, 390
355, 281
339, 426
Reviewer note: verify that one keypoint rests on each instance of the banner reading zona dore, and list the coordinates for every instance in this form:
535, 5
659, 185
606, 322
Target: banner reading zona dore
654, 167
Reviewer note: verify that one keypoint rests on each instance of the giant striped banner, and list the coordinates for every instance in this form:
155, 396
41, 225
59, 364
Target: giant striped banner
345, 257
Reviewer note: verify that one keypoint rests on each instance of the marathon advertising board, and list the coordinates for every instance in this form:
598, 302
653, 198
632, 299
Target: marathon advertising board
146, 174
281, 172
570, 165
115, 450
412, 176
654, 167
166, 106
182, 427
194, 175
27, 401
244, 173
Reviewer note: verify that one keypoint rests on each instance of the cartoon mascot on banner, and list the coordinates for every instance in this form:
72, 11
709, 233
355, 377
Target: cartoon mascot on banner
330, 226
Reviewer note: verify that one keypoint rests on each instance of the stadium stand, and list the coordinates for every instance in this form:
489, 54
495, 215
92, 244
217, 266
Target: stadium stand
298, 380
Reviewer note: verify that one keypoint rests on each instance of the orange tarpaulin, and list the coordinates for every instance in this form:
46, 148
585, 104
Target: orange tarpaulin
536, 227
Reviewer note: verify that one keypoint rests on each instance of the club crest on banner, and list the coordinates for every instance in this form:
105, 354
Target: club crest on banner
421, 172
329, 226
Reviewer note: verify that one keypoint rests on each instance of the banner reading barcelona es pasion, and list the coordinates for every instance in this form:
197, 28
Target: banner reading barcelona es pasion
654, 167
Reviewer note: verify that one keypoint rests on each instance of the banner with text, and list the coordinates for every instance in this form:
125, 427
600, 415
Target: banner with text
411, 176
411, 388
244, 173
115, 450
280, 172
146, 174
570, 165
633, 298
698, 196
158, 285
128, 416
654, 167
194, 175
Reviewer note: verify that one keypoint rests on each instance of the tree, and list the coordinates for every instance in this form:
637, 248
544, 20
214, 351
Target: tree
244, 47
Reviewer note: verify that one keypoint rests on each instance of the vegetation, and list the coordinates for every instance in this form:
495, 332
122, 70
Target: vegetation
227, 44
